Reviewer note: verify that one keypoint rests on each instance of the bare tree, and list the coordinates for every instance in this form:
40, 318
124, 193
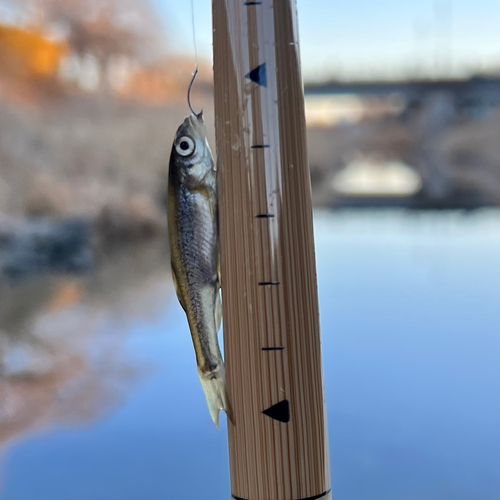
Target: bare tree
103, 28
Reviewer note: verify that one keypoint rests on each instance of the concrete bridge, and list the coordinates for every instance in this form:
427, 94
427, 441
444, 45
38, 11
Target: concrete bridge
473, 96
430, 110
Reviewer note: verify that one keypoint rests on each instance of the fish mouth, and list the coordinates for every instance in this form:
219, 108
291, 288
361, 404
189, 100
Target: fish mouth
193, 125
196, 123
196, 120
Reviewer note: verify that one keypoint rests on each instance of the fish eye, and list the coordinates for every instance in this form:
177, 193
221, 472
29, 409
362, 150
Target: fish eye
185, 146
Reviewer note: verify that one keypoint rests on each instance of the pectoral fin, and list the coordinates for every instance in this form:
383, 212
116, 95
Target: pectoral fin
218, 311
218, 270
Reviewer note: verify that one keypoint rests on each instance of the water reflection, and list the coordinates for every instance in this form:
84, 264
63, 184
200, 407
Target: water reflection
100, 396
60, 362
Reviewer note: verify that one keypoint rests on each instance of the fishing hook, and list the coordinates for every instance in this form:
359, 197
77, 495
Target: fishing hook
189, 93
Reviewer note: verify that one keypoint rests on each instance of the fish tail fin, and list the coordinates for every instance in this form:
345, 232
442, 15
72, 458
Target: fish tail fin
215, 389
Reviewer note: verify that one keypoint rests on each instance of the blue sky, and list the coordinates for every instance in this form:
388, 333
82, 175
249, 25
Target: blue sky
363, 38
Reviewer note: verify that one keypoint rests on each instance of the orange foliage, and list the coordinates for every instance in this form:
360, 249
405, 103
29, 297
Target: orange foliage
28, 54
153, 85
165, 81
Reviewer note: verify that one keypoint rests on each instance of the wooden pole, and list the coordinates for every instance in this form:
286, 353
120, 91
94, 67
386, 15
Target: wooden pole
278, 446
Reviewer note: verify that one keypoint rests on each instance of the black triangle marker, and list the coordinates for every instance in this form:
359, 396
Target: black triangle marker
280, 411
258, 75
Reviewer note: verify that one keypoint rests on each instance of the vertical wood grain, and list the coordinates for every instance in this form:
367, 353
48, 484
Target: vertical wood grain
269, 288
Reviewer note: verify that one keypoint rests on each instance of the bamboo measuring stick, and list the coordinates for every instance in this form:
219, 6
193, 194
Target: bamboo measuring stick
278, 446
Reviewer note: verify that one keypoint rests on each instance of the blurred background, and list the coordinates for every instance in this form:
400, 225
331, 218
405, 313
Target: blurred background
99, 396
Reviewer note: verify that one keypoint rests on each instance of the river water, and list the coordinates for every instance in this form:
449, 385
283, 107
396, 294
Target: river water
100, 400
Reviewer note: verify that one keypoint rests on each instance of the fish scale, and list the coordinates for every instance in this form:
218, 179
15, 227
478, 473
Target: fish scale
194, 248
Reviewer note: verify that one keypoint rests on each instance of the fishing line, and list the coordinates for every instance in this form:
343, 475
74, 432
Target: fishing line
196, 61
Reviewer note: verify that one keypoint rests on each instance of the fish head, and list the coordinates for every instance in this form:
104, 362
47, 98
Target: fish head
191, 157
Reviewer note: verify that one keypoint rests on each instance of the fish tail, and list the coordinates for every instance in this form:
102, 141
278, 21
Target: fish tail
215, 389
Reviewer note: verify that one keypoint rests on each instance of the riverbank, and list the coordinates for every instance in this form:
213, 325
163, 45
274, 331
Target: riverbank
456, 158
85, 175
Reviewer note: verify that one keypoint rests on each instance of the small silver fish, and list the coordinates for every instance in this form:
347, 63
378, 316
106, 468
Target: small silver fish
194, 250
